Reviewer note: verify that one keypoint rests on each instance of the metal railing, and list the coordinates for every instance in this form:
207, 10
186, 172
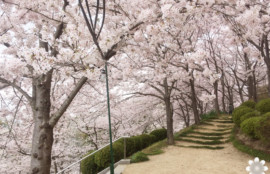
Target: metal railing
70, 166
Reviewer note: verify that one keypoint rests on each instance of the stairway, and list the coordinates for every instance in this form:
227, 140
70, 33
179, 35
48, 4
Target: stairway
212, 134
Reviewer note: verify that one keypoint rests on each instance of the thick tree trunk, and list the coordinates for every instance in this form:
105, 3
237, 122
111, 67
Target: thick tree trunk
169, 113
216, 94
194, 102
43, 133
42, 141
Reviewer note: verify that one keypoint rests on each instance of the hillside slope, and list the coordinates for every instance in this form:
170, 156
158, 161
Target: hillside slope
202, 151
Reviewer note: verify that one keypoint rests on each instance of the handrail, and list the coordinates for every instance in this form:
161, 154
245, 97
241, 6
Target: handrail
89, 155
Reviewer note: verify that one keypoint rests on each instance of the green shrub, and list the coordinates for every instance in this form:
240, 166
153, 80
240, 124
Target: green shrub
160, 134
263, 106
146, 140
247, 149
210, 115
238, 113
262, 131
88, 165
238, 108
131, 146
139, 157
153, 139
249, 115
137, 143
249, 125
102, 158
250, 104
118, 150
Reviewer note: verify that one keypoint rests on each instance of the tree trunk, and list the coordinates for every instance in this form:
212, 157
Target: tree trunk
194, 102
239, 87
250, 83
266, 56
255, 97
185, 116
250, 80
230, 95
188, 116
223, 93
169, 113
43, 133
268, 77
44, 122
216, 94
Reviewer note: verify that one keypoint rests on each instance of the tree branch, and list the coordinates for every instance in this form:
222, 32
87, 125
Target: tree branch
148, 94
16, 87
55, 117
161, 92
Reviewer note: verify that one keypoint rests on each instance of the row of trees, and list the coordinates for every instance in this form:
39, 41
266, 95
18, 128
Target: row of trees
169, 62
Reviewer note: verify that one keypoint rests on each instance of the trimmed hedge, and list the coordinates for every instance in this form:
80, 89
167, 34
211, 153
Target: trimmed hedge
250, 115
160, 134
262, 131
250, 103
101, 159
249, 125
88, 165
263, 106
239, 112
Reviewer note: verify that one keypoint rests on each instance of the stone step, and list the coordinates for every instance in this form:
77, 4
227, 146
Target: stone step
202, 147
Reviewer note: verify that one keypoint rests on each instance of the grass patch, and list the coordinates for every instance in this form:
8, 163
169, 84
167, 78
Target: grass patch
246, 149
214, 142
138, 157
222, 130
205, 138
185, 131
224, 126
222, 121
211, 133
209, 116
206, 123
203, 147
156, 148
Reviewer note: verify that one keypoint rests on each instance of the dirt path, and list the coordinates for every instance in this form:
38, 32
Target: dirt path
186, 160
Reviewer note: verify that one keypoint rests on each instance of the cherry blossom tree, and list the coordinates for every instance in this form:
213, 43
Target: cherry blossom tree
169, 62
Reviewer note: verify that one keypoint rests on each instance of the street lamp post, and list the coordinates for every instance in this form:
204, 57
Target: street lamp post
91, 22
109, 117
